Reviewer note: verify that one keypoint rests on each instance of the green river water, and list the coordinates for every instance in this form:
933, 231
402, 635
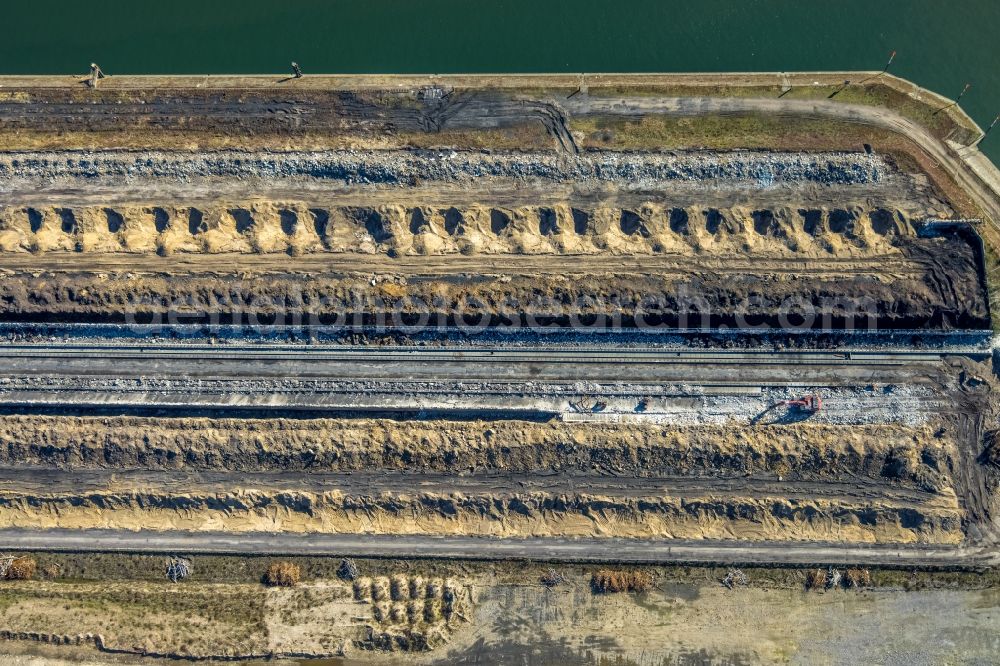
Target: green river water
941, 45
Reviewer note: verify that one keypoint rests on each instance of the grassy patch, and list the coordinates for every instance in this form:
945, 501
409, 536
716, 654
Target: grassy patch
721, 132
682, 90
690, 578
528, 136
81, 567
524, 137
196, 619
733, 131
236, 570
940, 123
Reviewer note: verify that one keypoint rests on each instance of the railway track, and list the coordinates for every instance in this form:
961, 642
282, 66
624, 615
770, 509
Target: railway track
81, 364
637, 383
435, 265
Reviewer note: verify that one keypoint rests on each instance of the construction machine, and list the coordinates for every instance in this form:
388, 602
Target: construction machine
811, 403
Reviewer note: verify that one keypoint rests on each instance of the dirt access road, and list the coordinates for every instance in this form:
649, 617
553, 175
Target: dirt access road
640, 383
41, 480
966, 166
645, 551
961, 166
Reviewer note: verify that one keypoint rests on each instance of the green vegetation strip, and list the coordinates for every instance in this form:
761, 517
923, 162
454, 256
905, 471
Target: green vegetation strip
727, 132
941, 122
83, 567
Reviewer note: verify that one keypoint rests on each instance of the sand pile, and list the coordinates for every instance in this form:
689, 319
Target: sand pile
497, 515
911, 456
296, 227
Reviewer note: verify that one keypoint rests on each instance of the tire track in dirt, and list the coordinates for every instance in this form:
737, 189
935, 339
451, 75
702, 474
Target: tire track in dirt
45, 481
971, 479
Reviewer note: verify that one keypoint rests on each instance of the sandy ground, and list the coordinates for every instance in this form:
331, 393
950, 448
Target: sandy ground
932, 281
798, 450
526, 623
319, 618
908, 496
262, 227
498, 515
830, 224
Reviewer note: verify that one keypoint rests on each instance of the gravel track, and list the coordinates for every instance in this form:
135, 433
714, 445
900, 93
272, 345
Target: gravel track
409, 167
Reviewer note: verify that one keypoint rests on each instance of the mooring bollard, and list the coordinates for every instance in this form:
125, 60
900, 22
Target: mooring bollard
96, 73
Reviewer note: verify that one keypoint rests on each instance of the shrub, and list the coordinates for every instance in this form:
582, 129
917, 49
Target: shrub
815, 579
282, 574
607, 580
858, 578
22, 568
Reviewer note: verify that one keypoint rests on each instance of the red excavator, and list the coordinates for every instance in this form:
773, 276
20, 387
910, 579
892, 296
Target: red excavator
811, 403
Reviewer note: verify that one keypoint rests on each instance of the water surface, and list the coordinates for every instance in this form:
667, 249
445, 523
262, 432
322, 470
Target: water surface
941, 45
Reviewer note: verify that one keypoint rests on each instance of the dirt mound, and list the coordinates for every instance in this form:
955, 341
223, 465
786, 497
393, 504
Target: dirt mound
493, 514
915, 457
411, 613
928, 283
298, 227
